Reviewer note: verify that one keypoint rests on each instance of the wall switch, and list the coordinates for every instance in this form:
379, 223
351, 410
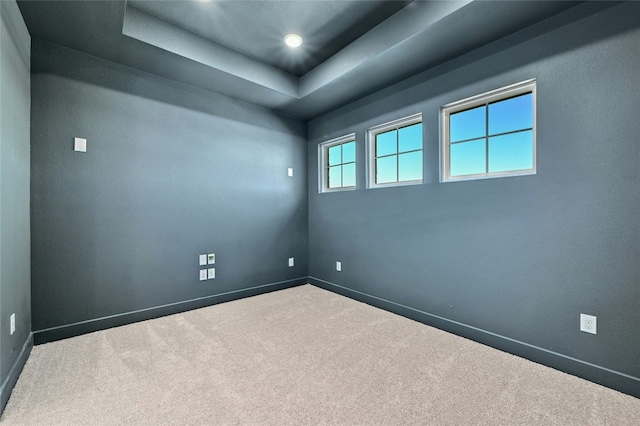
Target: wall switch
79, 144
290, 171
203, 274
12, 326
338, 266
203, 259
588, 323
211, 273
211, 259
290, 261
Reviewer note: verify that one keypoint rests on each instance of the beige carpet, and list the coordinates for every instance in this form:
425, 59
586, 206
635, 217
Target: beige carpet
297, 356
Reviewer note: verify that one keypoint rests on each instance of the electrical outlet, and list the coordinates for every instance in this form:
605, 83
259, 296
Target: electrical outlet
588, 323
211, 273
290, 262
13, 323
203, 274
338, 266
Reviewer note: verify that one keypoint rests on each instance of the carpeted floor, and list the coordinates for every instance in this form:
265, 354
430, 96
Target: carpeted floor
297, 356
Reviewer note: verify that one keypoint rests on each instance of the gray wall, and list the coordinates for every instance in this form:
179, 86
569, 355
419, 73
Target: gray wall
15, 288
511, 262
171, 172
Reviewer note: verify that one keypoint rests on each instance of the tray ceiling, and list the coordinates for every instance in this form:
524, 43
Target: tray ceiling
351, 48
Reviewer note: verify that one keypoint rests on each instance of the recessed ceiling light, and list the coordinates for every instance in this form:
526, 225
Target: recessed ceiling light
293, 40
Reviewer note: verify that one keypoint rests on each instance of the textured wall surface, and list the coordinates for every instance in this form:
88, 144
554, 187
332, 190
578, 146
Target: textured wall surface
170, 172
519, 257
15, 100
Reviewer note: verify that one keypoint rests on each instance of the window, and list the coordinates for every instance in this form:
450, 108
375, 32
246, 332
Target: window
337, 164
490, 135
395, 152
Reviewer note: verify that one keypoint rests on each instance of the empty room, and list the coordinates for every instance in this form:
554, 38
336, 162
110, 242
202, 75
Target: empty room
320, 212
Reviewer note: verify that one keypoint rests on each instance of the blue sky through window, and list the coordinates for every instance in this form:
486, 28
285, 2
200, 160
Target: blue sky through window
468, 124
335, 155
469, 158
511, 114
386, 143
349, 175
349, 152
410, 138
399, 154
513, 151
342, 167
387, 169
410, 166
506, 146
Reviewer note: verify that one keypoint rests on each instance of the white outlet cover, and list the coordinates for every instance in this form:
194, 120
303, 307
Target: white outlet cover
338, 266
13, 323
290, 171
211, 258
203, 274
203, 259
588, 323
211, 273
80, 144
290, 261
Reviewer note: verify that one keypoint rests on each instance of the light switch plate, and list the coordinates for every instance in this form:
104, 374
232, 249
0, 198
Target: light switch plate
338, 266
211, 258
211, 273
203, 259
203, 274
290, 171
13, 323
290, 261
80, 144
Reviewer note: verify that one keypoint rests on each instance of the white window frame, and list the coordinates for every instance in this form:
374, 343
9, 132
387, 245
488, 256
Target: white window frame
371, 150
323, 163
527, 86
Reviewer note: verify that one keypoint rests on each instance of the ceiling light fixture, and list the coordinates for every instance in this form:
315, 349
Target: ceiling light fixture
293, 40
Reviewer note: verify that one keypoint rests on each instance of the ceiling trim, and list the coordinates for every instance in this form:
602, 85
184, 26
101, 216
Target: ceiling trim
389, 34
163, 35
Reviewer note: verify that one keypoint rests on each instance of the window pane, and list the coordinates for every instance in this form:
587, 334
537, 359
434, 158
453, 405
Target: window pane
511, 152
511, 114
335, 177
468, 124
468, 158
410, 166
335, 155
349, 175
386, 169
349, 152
410, 138
386, 143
